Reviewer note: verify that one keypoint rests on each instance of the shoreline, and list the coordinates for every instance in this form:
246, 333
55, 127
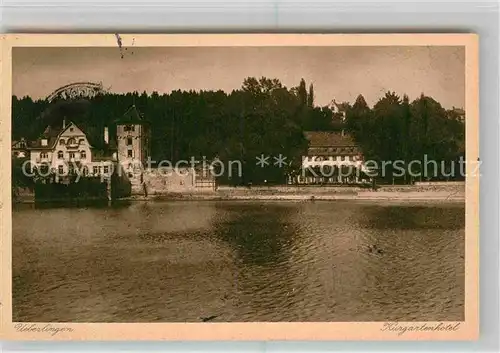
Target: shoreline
408, 194
298, 197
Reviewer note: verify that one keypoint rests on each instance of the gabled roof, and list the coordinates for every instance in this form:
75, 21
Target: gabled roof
51, 134
131, 116
329, 139
18, 144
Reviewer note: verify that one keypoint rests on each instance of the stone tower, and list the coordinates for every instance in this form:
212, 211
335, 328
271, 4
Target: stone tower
133, 135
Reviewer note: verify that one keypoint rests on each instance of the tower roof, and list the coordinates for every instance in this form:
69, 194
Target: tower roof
131, 116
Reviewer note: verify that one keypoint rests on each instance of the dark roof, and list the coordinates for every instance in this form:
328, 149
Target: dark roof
329, 139
131, 116
16, 144
50, 134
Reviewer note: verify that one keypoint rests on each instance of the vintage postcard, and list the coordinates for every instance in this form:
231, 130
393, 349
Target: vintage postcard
239, 187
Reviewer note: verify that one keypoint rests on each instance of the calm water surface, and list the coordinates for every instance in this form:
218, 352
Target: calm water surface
240, 261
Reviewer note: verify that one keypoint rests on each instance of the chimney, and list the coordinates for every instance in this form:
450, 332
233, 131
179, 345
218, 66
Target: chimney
106, 135
64, 123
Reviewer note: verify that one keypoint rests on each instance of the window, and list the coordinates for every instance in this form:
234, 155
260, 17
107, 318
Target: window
95, 170
60, 170
342, 158
83, 154
129, 153
129, 128
71, 129
61, 142
106, 169
44, 142
44, 155
60, 155
81, 141
71, 141
72, 155
129, 141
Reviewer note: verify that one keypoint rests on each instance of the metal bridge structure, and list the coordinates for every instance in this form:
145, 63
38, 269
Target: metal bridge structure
76, 90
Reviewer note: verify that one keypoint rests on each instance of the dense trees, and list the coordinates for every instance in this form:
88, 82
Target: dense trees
397, 130
263, 117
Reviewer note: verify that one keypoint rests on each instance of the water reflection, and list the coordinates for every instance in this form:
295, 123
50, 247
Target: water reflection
261, 234
239, 261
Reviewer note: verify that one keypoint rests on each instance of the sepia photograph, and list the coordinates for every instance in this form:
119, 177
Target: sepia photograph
243, 179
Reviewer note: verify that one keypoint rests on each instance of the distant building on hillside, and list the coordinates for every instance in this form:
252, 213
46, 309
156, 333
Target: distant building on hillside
20, 149
338, 108
329, 153
459, 113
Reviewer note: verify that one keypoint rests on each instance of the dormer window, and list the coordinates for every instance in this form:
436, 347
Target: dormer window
61, 142
129, 128
45, 142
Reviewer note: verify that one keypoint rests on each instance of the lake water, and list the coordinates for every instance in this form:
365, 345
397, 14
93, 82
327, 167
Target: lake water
239, 261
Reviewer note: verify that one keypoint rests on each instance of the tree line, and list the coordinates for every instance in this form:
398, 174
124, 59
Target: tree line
263, 117
395, 129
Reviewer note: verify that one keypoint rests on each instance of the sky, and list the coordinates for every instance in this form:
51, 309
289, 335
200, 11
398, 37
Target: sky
340, 73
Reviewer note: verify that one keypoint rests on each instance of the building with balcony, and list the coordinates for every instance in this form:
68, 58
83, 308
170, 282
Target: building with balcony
66, 150
332, 157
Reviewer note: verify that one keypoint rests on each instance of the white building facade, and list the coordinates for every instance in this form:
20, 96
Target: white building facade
67, 151
332, 157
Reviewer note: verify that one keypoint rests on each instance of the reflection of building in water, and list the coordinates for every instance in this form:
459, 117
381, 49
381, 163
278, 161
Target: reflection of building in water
332, 157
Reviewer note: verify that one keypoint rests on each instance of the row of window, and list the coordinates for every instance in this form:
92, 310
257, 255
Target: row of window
72, 155
340, 150
96, 170
60, 155
332, 158
71, 141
